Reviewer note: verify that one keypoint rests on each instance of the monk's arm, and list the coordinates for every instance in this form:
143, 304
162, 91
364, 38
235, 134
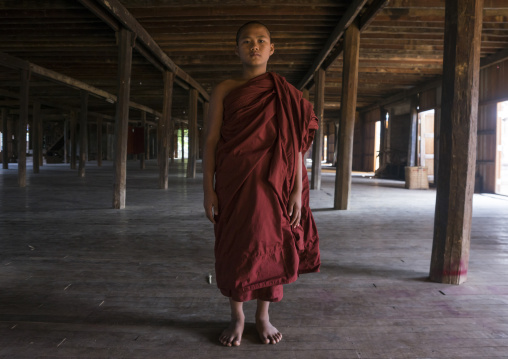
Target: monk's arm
295, 200
212, 130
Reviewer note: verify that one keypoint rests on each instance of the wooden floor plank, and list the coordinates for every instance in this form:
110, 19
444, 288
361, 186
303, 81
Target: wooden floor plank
81, 280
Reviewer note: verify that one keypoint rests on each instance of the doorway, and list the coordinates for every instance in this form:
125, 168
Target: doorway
325, 150
425, 148
377, 145
502, 149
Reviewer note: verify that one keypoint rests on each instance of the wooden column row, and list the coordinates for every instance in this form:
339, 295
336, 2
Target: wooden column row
166, 142
452, 230
344, 142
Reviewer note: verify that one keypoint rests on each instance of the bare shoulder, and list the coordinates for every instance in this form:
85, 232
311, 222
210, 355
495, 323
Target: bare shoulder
225, 87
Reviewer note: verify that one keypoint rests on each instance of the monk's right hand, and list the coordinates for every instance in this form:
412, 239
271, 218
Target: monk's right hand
211, 204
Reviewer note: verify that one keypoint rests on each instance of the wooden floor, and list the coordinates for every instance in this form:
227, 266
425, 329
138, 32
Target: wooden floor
79, 279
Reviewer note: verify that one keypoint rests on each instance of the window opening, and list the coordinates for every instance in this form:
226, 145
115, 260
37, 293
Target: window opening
425, 146
502, 149
377, 145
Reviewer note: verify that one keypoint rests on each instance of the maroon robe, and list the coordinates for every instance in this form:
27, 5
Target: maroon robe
266, 123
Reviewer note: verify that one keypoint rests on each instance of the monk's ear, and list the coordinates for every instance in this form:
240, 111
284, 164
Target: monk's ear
236, 51
272, 48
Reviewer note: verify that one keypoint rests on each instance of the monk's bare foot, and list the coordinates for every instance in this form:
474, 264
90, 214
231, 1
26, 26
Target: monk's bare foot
267, 332
232, 335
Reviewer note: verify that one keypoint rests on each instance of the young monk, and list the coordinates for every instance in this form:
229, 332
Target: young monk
258, 129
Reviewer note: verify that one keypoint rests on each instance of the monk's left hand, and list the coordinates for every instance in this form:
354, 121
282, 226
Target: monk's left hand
295, 208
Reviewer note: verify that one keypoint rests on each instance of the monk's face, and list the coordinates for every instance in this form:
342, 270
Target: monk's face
254, 46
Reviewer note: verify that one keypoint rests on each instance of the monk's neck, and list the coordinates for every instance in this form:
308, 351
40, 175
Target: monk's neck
250, 73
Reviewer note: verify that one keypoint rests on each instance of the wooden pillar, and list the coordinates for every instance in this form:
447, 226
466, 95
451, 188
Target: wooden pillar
164, 128
388, 134
182, 136
155, 142
73, 144
335, 148
5, 148
143, 155
36, 144
347, 118
22, 123
193, 128
317, 146
125, 44
99, 142
206, 106
83, 130
41, 138
437, 126
66, 139
88, 141
172, 140
413, 132
459, 112
147, 141
306, 95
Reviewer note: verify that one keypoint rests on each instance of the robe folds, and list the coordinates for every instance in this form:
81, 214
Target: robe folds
266, 123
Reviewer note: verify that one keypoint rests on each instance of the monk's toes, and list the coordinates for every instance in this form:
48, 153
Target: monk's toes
225, 341
236, 343
276, 338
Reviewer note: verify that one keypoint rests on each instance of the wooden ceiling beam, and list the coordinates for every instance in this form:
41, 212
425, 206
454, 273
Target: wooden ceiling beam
485, 62
439, 4
247, 9
494, 59
331, 54
344, 22
365, 20
15, 95
99, 11
116, 9
371, 12
16, 63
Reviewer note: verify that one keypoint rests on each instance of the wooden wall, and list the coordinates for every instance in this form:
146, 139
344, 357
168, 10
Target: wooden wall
329, 129
363, 146
358, 145
493, 89
427, 100
399, 138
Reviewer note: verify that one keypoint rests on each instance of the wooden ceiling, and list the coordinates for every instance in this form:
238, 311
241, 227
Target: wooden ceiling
400, 48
